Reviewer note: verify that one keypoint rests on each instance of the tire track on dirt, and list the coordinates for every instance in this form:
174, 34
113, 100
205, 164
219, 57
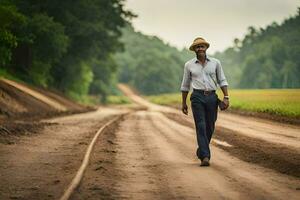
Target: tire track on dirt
121, 166
101, 175
41, 166
80, 173
143, 180
282, 158
225, 185
166, 166
151, 157
251, 181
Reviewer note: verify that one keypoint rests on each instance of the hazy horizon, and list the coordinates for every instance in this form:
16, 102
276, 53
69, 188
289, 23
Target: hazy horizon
176, 23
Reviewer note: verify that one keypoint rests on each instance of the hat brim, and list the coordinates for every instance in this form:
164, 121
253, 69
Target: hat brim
197, 43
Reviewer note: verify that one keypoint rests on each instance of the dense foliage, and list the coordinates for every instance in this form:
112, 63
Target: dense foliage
76, 47
66, 45
149, 64
265, 58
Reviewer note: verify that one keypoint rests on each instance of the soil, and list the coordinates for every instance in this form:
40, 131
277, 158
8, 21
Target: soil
153, 157
11, 131
148, 154
40, 164
278, 157
20, 101
14, 102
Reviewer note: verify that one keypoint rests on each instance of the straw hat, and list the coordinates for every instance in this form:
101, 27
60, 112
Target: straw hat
197, 41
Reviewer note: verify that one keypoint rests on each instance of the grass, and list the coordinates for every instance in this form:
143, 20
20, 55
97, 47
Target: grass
86, 100
94, 100
5, 74
167, 99
283, 102
118, 99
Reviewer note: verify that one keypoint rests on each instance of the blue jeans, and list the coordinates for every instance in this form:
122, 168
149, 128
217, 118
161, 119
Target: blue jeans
205, 109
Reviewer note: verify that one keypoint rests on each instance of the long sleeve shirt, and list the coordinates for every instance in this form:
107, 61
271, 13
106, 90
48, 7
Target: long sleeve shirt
203, 77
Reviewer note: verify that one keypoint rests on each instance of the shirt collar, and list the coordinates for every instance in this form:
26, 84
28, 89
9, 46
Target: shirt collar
197, 61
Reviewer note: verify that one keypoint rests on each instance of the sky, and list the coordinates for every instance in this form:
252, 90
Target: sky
179, 22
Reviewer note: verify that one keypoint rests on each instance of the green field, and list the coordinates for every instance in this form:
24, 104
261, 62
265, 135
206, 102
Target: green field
118, 99
283, 102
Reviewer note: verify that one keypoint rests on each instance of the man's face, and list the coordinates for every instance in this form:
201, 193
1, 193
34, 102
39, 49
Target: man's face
200, 49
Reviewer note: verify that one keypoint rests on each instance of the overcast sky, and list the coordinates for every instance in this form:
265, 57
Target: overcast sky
178, 22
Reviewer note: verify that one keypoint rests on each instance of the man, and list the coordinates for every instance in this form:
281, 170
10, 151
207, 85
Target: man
204, 74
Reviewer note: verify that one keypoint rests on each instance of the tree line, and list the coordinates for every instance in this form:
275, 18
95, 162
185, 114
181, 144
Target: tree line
66, 45
266, 57
149, 64
85, 47
263, 58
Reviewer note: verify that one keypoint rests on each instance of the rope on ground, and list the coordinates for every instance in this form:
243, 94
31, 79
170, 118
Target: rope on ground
76, 180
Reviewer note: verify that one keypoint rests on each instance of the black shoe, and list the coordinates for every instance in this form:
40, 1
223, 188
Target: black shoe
204, 162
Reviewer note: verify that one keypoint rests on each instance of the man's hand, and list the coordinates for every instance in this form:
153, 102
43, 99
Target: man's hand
226, 97
226, 102
184, 108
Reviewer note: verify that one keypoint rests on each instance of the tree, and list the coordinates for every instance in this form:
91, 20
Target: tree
10, 18
49, 34
265, 58
149, 64
289, 73
60, 41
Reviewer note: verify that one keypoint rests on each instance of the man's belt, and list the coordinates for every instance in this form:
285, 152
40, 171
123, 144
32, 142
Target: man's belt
205, 92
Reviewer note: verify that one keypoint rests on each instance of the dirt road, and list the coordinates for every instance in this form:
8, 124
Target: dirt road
154, 159
151, 155
41, 165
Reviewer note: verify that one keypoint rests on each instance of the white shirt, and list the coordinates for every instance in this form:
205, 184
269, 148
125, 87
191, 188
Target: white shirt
206, 77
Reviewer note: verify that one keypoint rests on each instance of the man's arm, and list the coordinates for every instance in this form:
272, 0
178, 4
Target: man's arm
185, 87
184, 105
225, 91
223, 84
